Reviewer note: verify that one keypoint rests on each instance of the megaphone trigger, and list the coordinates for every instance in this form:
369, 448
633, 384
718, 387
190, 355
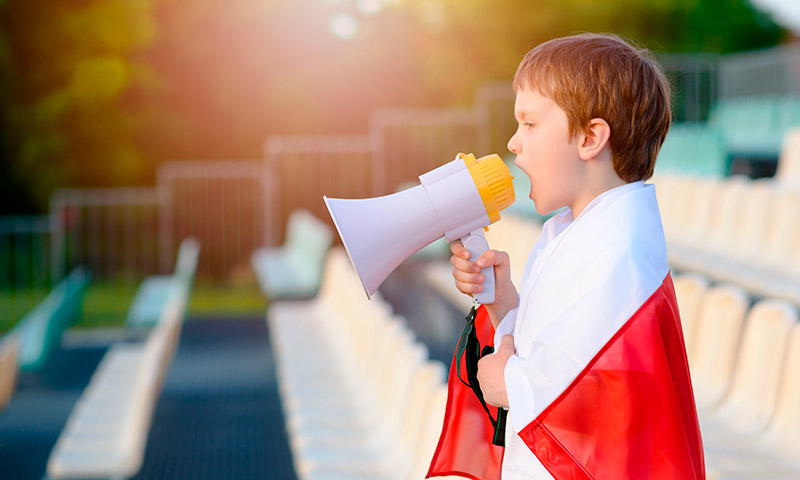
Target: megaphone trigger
477, 245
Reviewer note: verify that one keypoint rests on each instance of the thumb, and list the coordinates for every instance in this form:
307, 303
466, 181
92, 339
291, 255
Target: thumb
507, 344
492, 257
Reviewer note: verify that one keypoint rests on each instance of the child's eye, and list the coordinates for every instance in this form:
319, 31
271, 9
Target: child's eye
527, 125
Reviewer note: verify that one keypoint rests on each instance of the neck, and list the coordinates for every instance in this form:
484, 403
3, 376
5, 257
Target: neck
593, 190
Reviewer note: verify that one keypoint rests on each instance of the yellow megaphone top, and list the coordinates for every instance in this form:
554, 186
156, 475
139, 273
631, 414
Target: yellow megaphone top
493, 180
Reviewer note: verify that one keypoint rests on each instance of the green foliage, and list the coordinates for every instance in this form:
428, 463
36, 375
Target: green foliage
67, 67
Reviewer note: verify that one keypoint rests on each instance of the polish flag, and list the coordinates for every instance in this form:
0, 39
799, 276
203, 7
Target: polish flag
630, 413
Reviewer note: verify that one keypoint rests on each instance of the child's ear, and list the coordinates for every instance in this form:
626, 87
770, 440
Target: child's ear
594, 140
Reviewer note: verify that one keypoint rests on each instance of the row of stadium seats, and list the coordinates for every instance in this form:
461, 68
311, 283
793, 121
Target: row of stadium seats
106, 432
33, 340
709, 149
151, 297
745, 366
734, 230
693, 148
39, 332
360, 396
753, 127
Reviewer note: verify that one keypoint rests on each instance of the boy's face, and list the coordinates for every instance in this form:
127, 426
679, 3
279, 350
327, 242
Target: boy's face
545, 151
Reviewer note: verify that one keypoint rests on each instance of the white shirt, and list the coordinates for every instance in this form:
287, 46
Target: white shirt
584, 278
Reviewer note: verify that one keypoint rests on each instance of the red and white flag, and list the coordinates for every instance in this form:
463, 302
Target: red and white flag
629, 414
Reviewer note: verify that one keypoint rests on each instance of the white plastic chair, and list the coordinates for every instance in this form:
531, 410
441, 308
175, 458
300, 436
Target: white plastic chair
788, 172
775, 454
720, 323
750, 403
689, 291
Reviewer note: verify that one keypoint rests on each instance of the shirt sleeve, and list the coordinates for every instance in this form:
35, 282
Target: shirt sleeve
506, 325
600, 301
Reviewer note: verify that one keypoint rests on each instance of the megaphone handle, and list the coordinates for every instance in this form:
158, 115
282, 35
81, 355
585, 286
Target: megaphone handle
475, 242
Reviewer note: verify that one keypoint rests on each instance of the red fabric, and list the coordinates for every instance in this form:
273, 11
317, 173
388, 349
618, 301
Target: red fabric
465, 445
630, 413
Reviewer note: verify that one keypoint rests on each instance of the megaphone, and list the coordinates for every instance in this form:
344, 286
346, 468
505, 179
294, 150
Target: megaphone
457, 200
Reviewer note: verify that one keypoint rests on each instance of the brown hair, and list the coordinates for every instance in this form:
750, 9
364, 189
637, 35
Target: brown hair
602, 76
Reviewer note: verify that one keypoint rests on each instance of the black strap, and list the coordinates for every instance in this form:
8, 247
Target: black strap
468, 345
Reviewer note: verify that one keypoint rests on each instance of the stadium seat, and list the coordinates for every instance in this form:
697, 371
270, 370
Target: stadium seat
690, 289
153, 293
294, 270
39, 332
720, 322
788, 172
106, 433
774, 453
749, 404
693, 149
700, 219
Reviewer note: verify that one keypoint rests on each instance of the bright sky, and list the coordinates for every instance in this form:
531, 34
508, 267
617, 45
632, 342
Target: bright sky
784, 12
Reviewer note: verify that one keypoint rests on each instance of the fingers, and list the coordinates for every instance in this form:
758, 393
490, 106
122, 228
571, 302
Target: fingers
460, 258
467, 274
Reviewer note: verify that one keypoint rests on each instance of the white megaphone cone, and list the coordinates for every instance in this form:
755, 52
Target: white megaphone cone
456, 200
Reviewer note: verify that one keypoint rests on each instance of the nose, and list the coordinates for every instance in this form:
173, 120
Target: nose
513, 145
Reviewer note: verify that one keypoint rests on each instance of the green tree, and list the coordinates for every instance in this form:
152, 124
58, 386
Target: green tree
68, 67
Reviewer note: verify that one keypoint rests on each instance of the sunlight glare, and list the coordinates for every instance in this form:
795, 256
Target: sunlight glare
343, 26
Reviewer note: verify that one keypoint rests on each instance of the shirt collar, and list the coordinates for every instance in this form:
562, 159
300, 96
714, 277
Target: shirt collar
564, 218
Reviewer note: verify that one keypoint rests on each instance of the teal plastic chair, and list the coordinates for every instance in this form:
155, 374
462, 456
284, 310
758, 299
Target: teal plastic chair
693, 149
39, 332
155, 291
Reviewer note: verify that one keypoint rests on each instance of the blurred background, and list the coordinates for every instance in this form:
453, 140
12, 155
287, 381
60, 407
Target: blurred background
127, 127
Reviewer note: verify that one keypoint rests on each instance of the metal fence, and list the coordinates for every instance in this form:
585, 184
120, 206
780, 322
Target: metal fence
410, 142
25, 253
310, 166
130, 233
693, 79
775, 71
495, 103
227, 205
113, 231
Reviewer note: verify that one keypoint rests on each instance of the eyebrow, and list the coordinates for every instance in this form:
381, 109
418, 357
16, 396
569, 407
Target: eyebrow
523, 113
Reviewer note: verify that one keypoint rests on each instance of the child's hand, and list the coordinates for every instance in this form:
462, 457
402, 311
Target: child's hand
469, 279
491, 374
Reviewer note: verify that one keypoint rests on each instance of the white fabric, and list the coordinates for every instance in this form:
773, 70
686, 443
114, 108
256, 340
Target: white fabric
584, 279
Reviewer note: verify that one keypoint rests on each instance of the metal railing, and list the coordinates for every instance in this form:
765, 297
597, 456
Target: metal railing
113, 231
228, 205
25, 253
495, 102
411, 142
774, 71
310, 166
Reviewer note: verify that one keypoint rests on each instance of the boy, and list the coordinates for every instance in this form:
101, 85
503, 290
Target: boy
591, 364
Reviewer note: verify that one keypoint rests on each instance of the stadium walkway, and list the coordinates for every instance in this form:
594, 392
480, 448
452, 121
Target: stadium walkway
218, 417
